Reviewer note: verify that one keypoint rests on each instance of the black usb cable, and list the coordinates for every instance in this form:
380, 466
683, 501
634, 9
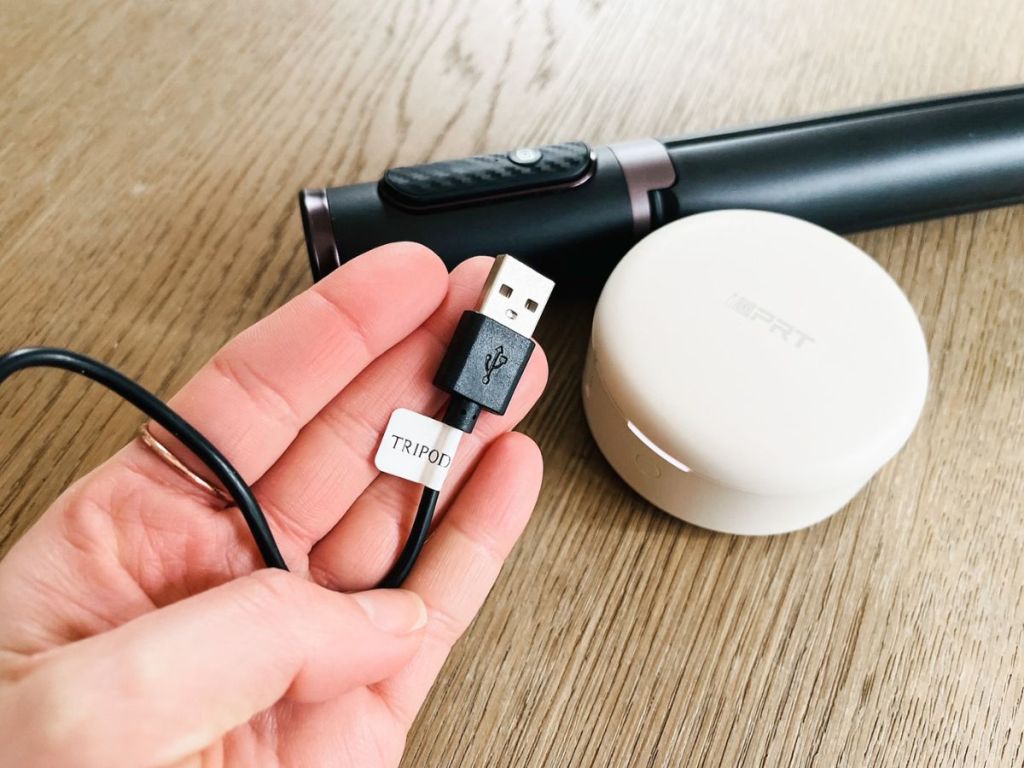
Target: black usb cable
485, 360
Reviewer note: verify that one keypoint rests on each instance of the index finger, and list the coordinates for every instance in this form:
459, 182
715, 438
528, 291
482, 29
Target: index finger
256, 393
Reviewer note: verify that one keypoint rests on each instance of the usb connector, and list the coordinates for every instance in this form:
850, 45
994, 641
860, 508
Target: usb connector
515, 295
481, 370
491, 346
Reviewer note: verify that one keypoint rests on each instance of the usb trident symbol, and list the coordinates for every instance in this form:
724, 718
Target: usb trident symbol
494, 361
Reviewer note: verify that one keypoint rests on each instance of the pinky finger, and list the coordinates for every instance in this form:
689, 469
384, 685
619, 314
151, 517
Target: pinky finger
462, 558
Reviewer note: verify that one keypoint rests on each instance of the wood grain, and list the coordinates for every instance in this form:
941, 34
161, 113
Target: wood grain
150, 154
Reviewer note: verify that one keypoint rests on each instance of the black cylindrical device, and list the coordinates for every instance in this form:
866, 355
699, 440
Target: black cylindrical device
572, 207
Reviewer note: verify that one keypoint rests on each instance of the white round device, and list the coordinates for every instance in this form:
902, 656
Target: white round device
749, 372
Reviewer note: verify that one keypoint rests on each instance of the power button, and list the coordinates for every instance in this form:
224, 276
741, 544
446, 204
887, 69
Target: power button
503, 174
647, 466
525, 156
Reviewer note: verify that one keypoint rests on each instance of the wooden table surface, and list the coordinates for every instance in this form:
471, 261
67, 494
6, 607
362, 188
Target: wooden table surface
150, 154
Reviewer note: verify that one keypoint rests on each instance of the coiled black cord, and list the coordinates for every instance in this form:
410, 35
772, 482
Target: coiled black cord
205, 451
481, 369
162, 414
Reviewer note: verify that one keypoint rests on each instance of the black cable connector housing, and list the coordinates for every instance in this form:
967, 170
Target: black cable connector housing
483, 365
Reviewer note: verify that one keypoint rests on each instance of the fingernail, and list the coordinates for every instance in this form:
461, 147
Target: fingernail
396, 611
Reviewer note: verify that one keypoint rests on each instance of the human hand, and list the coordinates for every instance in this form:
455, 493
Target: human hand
138, 628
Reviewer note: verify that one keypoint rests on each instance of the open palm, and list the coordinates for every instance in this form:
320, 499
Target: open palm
138, 625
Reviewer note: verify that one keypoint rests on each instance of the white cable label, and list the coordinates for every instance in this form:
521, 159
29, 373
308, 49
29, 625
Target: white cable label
417, 448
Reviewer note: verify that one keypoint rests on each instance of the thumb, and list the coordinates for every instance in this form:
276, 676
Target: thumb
171, 682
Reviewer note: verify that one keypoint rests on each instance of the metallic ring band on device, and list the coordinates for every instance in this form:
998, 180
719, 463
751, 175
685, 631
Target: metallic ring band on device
316, 223
175, 463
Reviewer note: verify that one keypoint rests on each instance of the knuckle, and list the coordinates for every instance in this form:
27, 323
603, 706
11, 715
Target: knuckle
445, 626
272, 586
274, 596
257, 387
54, 717
352, 327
